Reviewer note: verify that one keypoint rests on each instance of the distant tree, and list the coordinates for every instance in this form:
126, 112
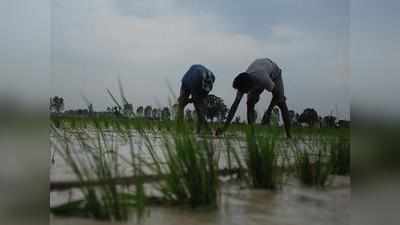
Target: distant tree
148, 111
174, 110
159, 111
90, 108
216, 108
81, 112
320, 121
128, 109
309, 116
117, 111
165, 114
344, 123
155, 114
139, 111
329, 121
56, 104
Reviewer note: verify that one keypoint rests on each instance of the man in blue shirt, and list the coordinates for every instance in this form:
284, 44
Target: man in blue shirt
196, 84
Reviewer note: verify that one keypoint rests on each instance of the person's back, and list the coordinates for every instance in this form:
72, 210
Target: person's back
198, 80
262, 74
196, 84
264, 71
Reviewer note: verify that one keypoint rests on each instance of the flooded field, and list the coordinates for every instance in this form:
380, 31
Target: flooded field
293, 205
273, 180
60, 171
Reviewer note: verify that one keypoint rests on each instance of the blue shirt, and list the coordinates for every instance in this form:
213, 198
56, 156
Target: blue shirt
198, 80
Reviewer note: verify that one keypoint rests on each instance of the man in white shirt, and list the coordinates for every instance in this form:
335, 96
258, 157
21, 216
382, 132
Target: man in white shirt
262, 74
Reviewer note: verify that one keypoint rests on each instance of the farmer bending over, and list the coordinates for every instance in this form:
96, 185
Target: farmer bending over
196, 84
262, 74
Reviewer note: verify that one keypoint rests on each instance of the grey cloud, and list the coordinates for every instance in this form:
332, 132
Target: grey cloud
102, 42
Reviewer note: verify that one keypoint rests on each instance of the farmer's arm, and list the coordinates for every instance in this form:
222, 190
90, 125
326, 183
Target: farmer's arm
232, 110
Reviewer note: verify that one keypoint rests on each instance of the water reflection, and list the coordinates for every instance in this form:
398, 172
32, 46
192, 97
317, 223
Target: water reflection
293, 205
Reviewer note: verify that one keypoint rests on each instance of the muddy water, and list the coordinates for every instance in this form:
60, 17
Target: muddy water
293, 205
59, 171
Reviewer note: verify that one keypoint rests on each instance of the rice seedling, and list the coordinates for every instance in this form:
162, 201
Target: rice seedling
340, 156
188, 166
312, 160
234, 161
263, 159
187, 163
140, 196
93, 156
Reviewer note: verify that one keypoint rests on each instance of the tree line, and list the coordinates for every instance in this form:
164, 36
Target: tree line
216, 112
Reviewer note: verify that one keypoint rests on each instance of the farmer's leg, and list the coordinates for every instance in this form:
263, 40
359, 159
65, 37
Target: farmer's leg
252, 98
183, 100
200, 105
285, 115
279, 95
267, 115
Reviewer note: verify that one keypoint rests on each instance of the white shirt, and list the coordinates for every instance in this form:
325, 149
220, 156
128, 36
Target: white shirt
262, 70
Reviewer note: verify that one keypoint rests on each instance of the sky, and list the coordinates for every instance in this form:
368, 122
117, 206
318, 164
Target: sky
375, 54
74, 48
150, 45
83, 46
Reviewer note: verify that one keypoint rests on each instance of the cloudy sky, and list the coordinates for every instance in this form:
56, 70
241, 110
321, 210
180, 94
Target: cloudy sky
151, 43
81, 47
375, 54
